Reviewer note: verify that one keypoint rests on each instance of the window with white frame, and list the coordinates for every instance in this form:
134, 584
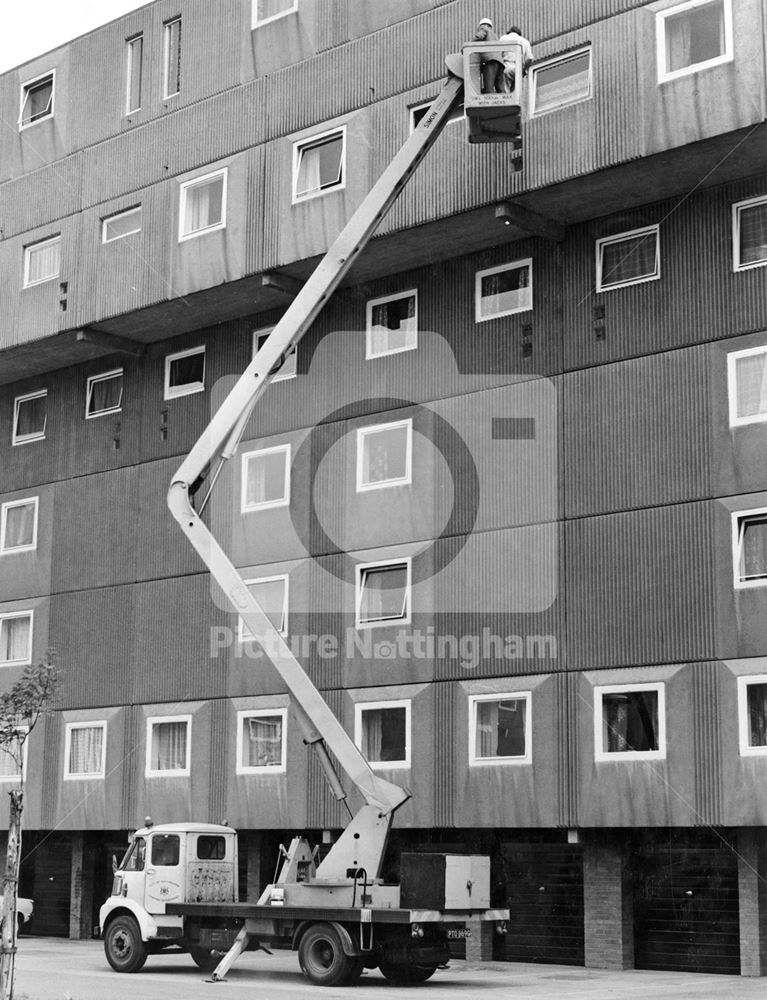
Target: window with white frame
134, 50
560, 81
13, 756
383, 593
262, 741
271, 592
749, 543
382, 733
266, 478
628, 259
104, 394
693, 36
30, 417
16, 638
500, 728
202, 205
121, 224
286, 366
752, 715
265, 11
168, 745
319, 164
504, 290
84, 750
629, 722
747, 385
749, 234
384, 455
392, 324
172, 58
418, 112
18, 526
42, 261
185, 372
36, 100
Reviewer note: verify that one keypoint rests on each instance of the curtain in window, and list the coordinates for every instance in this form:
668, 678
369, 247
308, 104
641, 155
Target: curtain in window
754, 548
204, 205
506, 290
266, 478
11, 759
629, 259
86, 745
169, 746
562, 83
751, 382
19, 526
695, 36
263, 741
173, 57
753, 234
630, 721
43, 262
384, 593
500, 728
393, 325
135, 61
372, 734
14, 638
106, 394
319, 165
757, 714
384, 455
31, 417
270, 594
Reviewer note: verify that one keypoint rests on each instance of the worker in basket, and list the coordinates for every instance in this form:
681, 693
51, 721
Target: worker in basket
491, 68
514, 34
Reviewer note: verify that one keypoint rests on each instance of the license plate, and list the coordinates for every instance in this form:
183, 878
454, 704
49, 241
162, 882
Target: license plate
458, 933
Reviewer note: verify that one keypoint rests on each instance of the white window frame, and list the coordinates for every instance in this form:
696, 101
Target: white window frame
360, 570
129, 49
737, 208
177, 772
75, 775
662, 16
196, 182
621, 238
26, 660
381, 301
280, 376
732, 386
526, 758
167, 35
173, 392
93, 380
135, 210
514, 265
242, 635
261, 713
744, 747
737, 539
371, 431
545, 64
25, 502
25, 88
602, 755
386, 765
256, 22
29, 250
6, 778
284, 500
17, 439
425, 105
312, 140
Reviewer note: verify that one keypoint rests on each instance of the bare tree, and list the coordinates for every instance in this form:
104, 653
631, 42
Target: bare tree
20, 709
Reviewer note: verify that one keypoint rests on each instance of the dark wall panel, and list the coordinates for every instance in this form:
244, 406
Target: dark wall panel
707, 711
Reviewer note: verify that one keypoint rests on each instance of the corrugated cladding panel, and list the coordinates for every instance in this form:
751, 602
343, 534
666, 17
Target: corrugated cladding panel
323, 810
640, 587
566, 707
332, 20
221, 722
47, 193
132, 763
443, 762
707, 743
52, 732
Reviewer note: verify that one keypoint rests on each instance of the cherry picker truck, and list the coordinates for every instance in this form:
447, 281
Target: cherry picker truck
177, 885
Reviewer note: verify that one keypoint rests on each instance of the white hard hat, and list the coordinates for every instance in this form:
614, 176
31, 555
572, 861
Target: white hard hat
486, 20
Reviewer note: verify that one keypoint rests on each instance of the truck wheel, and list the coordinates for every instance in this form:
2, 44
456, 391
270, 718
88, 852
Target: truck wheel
124, 948
322, 959
204, 958
406, 975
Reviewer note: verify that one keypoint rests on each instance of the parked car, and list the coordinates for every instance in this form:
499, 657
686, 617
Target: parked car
24, 910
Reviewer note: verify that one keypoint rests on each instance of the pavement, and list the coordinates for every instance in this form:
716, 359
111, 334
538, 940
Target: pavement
57, 969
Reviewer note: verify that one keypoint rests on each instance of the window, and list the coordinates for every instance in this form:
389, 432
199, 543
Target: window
383, 593
30, 416
749, 234
418, 112
84, 750
104, 394
629, 722
115, 227
166, 850
319, 164
36, 100
628, 259
185, 372
167, 746
382, 733
504, 290
752, 715
500, 729
560, 81
135, 859
261, 741
265, 11
384, 455
749, 530
286, 366
42, 261
16, 639
693, 36
271, 592
392, 324
135, 58
211, 848
747, 378
266, 478
172, 58
18, 526
203, 205
13, 756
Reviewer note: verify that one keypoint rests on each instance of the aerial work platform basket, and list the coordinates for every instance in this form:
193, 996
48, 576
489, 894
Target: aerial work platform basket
494, 116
